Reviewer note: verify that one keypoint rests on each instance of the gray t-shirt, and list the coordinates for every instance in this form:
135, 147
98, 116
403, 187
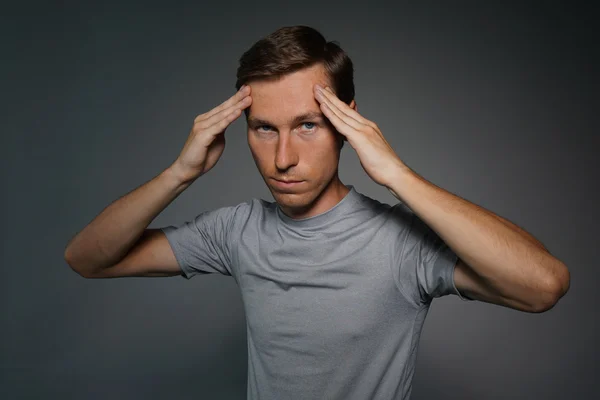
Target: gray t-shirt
334, 303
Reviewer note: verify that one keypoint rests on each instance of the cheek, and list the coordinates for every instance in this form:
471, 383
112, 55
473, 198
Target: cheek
255, 149
330, 140
254, 143
262, 153
323, 155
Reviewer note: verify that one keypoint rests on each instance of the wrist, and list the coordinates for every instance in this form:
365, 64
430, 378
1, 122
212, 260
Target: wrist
176, 178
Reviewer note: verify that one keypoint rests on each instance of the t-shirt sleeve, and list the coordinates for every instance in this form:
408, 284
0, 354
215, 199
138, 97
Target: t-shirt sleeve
426, 263
203, 245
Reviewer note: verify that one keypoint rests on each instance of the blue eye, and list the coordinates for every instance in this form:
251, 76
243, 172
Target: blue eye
263, 128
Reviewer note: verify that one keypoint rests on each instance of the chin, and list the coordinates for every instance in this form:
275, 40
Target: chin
299, 200
290, 198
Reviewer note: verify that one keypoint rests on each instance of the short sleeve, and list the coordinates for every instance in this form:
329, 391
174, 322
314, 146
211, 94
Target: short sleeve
426, 263
202, 245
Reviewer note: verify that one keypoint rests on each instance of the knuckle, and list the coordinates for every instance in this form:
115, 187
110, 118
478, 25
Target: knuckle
199, 126
368, 131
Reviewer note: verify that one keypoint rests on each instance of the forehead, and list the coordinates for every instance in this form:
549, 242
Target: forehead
281, 99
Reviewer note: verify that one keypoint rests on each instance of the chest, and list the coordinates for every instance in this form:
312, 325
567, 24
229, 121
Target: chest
317, 293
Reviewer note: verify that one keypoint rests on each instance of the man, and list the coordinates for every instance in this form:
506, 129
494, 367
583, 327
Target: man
336, 285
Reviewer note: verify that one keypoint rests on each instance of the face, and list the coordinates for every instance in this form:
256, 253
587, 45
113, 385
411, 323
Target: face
291, 139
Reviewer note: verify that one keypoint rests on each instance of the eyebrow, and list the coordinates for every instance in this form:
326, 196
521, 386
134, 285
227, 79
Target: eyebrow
252, 121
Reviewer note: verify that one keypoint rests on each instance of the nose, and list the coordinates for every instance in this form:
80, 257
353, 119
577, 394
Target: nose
286, 155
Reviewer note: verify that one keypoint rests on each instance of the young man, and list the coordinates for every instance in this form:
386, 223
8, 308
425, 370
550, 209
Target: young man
336, 285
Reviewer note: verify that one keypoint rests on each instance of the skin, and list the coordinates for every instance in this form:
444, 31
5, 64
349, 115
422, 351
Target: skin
498, 262
306, 150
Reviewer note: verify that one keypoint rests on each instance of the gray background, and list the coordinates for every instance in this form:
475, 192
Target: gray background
492, 101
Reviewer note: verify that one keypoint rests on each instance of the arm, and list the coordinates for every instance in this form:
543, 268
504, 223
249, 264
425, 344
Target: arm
117, 243
498, 261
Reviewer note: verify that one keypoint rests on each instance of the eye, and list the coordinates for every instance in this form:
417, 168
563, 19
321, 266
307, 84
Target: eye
258, 128
309, 123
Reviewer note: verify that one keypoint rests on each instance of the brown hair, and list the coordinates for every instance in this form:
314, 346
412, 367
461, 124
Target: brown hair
291, 48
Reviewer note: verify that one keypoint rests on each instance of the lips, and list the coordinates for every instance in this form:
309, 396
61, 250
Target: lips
287, 180
285, 184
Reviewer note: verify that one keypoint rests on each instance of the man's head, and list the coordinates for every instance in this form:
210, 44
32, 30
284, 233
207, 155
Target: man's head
281, 70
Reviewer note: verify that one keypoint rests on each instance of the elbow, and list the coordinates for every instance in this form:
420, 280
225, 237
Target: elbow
556, 288
80, 271
73, 267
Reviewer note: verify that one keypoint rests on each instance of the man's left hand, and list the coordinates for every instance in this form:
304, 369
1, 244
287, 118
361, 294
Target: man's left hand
376, 156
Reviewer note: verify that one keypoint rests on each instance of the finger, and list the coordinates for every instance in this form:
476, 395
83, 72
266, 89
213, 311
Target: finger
215, 118
341, 115
339, 124
221, 124
236, 98
232, 101
345, 108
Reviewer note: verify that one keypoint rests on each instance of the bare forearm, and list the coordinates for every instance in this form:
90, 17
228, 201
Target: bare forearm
496, 249
111, 234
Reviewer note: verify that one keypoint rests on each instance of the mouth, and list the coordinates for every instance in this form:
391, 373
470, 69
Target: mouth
286, 184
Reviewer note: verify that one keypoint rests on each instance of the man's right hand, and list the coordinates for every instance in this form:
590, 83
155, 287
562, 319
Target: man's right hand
206, 141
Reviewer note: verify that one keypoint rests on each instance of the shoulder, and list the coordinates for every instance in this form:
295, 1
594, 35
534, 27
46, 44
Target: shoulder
237, 215
371, 205
402, 213
396, 214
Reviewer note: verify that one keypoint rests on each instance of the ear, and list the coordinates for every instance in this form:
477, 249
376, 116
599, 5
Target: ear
353, 105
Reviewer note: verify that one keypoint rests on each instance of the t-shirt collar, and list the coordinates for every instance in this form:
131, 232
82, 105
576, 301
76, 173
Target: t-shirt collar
335, 212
